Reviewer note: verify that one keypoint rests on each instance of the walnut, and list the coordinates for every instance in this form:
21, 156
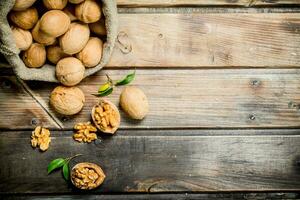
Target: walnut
85, 132
106, 116
40, 138
87, 176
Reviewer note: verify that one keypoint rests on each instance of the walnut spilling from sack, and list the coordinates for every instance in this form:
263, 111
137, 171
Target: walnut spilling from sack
106, 116
87, 176
40, 138
85, 132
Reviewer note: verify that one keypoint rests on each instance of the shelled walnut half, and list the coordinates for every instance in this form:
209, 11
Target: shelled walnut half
106, 116
85, 132
40, 138
87, 176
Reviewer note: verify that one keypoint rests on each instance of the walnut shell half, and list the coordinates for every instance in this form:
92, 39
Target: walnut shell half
106, 116
87, 176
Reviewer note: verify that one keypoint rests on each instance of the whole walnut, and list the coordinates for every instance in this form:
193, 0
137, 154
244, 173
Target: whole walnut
67, 100
91, 54
98, 28
42, 37
69, 71
55, 53
88, 11
75, 39
54, 23
76, 1
22, 4
22, 38
55, 4
87, 176
134, 102
35, 56
25, 19
70, 11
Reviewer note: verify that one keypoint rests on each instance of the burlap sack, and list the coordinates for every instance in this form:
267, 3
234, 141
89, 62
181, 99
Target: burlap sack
47, 72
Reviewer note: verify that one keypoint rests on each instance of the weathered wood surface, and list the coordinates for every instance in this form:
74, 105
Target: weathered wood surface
180, 99
187, 196
18, 108
137, 163
247, 3
208, 40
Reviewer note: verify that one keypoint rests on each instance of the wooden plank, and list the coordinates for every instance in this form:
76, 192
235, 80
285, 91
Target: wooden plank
239, 162
208, 40
189, 196
198, 98
166, 3
19, 109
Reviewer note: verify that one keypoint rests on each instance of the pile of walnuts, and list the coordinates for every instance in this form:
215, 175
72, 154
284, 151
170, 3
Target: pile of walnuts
87, 176
64, 32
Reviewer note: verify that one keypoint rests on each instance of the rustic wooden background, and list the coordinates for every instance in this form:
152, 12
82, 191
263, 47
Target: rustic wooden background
223, 82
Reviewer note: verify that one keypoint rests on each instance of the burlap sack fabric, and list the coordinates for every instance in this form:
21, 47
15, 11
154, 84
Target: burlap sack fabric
47, 72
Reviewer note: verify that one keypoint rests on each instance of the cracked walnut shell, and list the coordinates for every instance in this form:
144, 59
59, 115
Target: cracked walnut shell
87, 176
40, 138
106, 116
85, 132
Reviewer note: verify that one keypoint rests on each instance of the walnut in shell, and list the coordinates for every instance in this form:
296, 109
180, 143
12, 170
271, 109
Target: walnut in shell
35, 56
25, 19
55, 4
55, 53
69, 71
22, 38
91, 54
98, 27
87, 176
22, 4
76, 1
75, 39
40, 138
88, 11
67, 100
134, 102
54, 23
42, 37
106, 116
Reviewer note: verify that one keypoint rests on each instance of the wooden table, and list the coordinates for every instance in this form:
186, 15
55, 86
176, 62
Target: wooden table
223, 82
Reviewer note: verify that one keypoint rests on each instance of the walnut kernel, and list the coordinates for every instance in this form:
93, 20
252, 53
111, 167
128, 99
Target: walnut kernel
85, 132
40, 138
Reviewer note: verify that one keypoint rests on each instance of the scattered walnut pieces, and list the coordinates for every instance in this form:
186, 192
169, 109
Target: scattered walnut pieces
106, 116
87, 176
40, 138
85, 132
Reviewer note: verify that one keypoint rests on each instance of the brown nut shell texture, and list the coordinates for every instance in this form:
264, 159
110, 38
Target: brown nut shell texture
98, 27
88, 11
54, 23
55, 4
87, 176
35, 56
22, 4
42, 37
67, 100
40, 138
75, 39
22, 38
25, 19
69, 71
106, 116
91, 54
85, 132
55, 53
134, 102
70, 11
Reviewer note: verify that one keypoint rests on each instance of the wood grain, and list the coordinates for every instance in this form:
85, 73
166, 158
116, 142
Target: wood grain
176, 163
197, 98
208, 40
189, 196
18, 108
165, 3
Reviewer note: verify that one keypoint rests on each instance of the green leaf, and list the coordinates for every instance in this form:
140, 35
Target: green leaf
127, 79
66, 171
104, 93
104, 87
55, 164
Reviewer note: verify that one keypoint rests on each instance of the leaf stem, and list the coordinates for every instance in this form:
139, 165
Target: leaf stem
70, 158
